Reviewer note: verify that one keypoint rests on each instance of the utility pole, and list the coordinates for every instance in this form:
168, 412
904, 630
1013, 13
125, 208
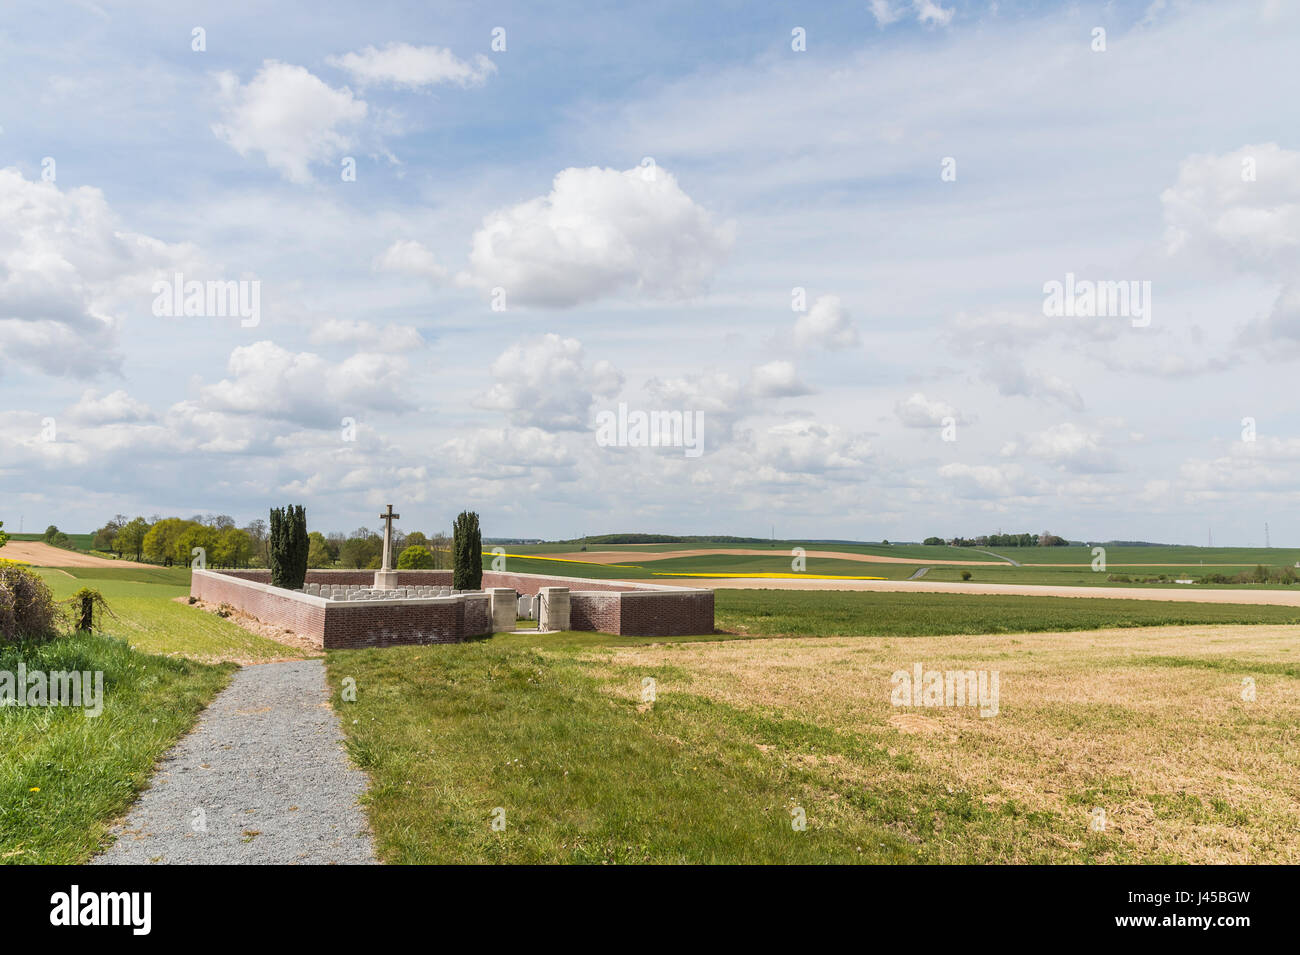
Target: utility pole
1266, 543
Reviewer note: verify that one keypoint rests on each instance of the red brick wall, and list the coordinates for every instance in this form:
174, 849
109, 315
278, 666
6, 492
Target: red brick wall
607, 606
333, 625
594, 611
268, 606
677, 614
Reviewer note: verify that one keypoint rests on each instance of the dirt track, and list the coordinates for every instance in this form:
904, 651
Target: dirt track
43, 555
1185, 595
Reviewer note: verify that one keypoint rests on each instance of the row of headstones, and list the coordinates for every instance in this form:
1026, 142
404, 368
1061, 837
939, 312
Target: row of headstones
347, 592
527, 607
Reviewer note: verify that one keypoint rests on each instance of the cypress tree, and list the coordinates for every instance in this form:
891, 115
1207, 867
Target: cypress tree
467, 549
288, 546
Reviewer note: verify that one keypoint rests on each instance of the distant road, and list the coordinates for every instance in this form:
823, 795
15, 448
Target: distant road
919, 574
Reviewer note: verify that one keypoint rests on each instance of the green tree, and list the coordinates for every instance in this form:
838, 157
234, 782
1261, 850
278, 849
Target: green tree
103, 539
3, 536
467, 546
318, 551
160, 543
362, 549
289, 546
196, 536
415, 557
130, 539
234, 548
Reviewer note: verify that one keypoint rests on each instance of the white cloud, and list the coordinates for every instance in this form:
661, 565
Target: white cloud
502, 453
1213, 211
918, 411
392, 338
1010, 376
546, 382
826, 324
985, 480
413, 67
597, 233
1243, 207
288, 114
68, 273
810, 447
1069, 447
886, 12
115, 408
268, 381
777, 379
408, 257
926, 11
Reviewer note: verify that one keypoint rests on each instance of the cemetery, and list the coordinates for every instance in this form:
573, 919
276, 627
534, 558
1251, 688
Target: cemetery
337, 609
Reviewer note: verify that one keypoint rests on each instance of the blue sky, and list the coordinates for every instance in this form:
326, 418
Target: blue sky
923, 390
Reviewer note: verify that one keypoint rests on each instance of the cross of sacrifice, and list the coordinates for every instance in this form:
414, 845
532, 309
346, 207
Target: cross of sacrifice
388, 536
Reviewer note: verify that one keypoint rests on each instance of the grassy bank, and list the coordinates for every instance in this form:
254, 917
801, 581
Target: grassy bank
64, 776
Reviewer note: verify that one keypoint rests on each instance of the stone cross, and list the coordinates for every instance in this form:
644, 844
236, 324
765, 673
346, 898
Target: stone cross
388, 536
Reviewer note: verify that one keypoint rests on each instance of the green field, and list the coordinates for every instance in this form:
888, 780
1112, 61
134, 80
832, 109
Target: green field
143, 600
780, 550
823, 613
1159, 555
991, 571
550, 736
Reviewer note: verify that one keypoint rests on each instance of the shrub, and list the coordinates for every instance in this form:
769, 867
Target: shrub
467, 547
965, 575
224, 609
27, 608
415, 557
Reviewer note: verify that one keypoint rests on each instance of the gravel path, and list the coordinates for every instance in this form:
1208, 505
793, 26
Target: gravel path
265, 765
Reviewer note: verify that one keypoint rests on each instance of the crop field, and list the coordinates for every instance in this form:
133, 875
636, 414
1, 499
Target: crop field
1054, 566
1146, 730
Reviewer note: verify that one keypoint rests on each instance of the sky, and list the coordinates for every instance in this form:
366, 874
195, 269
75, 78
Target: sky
422, 250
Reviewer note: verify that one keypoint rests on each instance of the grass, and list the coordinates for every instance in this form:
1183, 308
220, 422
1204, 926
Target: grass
824, 613
63, 776
148, 617
553, 732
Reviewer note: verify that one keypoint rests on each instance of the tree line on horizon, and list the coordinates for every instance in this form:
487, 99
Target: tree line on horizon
1045, 539
170, 541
